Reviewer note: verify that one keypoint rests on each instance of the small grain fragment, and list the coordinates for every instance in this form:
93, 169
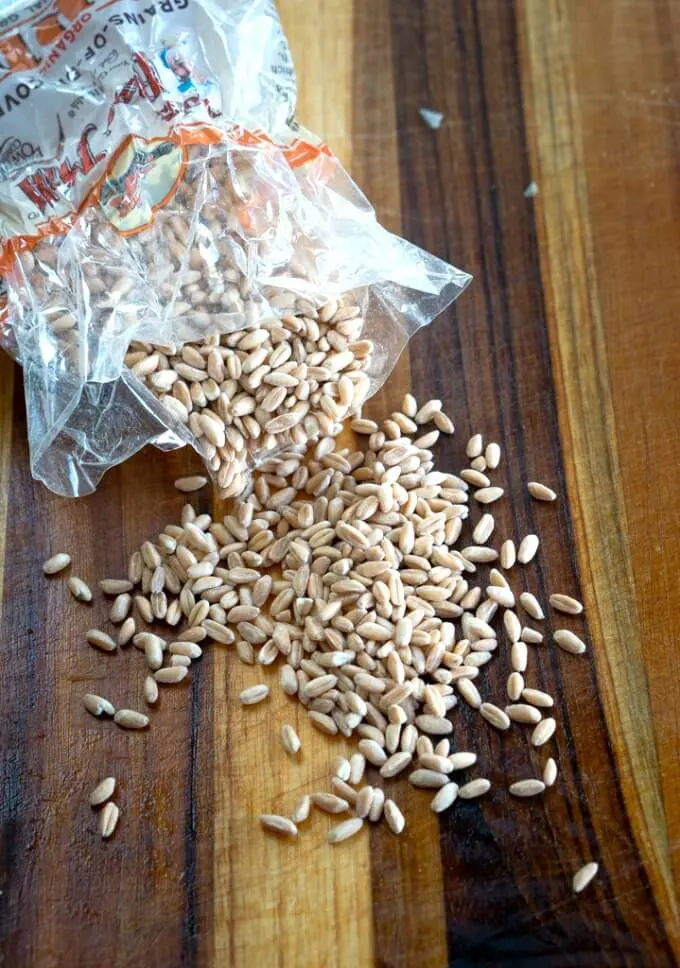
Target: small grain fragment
409, 407
427, 779
492, 714
288, 680
488, 495
329, 802
171, 675
541, 492
115, 586
340, 767
362, 807
100, 640
427, 411
566, 604
302, 809
126, 631
550, 772
278, 824
443, 422
377, 805
584, 876
508, 555
527, 549
97, 705
323, 722
474, 788
193, 483
344, 790
108, 819
492, 455
345, 830
120, 608
523, 713
103, 791
527, 788
474, 446
290, 739
515, 685
254, 694
56, 563
544, 731
150, 690
395, 764
130, 719
569, 642
469, 692
519, 656
80, 591
394, 818
373, 752
512, 625
538, 698
445, 797
531, 606
462, 760
357, 767
483, 529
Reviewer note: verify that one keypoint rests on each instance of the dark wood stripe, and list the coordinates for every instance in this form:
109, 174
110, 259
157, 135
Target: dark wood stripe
67, 897
20, 754
496, 376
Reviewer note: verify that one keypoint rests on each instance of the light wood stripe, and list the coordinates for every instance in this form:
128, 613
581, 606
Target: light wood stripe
266, 887
588, 429
320, 39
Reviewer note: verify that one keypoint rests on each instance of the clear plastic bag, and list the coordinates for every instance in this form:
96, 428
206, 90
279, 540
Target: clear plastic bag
154, 249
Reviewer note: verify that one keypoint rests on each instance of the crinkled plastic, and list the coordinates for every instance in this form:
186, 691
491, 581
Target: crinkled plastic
171, 198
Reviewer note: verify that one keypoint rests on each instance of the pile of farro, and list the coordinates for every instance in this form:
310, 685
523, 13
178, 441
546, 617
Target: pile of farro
350, 569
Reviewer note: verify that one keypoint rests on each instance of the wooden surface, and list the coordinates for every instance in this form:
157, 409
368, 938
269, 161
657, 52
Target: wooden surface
566, 349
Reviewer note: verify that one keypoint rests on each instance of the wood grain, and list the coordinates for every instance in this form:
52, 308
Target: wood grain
566, 349
591, 428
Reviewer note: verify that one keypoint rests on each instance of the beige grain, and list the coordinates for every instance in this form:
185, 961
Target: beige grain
527, 788
278, 825
130, 719
566, 604
290, 739
345, 830
394, 818
108, 819
584, 876
528, 547
56, 563
569, 642
170, 675
100, 640
474, 788
444, 798
544, 731
97, 705
254, 694
103, 791
193, 483
492, 714
541, 492
80, 591
550, 772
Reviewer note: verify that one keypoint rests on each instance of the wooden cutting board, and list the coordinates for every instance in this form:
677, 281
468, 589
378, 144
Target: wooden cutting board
566, 349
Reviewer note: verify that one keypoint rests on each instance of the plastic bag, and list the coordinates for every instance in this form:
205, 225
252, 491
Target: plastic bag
157, 199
